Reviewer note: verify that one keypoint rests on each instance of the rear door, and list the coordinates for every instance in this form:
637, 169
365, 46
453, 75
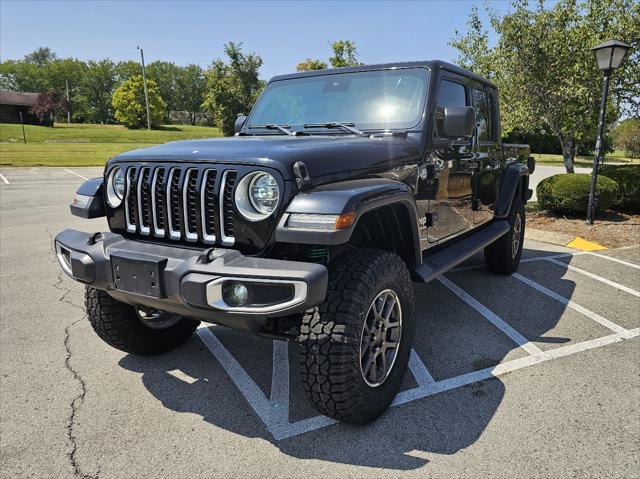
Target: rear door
489, 154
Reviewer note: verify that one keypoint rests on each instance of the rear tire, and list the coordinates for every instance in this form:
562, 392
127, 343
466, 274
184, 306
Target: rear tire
348, 334
503, 255
119, 326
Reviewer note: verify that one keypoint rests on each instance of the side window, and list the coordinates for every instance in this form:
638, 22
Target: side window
449, 94
484, 115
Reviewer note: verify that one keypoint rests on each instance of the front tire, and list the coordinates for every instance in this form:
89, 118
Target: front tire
503, 255
119, 325
355, 346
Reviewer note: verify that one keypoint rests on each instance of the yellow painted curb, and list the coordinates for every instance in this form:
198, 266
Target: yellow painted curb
584, 245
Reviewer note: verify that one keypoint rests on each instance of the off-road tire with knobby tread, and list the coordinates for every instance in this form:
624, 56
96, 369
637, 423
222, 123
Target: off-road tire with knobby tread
499, 256
118, 325
329, 340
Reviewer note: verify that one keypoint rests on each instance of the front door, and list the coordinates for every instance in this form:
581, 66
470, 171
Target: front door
450, 168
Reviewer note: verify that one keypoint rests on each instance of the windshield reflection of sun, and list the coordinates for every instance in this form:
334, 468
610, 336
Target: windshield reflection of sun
385, 111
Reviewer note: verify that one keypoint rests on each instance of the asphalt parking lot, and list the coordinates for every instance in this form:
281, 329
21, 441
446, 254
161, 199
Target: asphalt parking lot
531, 375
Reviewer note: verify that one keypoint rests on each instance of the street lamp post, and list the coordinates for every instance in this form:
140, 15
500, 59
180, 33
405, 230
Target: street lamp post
609, 56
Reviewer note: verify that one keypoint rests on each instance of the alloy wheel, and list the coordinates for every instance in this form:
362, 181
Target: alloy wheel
517, 236
380, 338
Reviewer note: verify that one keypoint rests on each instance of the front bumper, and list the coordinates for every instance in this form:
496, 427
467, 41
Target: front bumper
190, 282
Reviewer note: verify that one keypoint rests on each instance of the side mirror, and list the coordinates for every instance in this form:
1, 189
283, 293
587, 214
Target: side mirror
459, 121
239, 123
88, 201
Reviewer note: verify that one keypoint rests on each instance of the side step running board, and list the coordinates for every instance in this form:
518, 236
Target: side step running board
437, 263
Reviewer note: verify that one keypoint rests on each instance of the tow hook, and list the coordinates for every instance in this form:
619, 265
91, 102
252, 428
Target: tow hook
93, 238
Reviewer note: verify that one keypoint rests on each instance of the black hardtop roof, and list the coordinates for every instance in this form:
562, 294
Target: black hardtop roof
431, 64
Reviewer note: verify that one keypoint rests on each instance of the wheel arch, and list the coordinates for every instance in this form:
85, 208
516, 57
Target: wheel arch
514, 181
386, 217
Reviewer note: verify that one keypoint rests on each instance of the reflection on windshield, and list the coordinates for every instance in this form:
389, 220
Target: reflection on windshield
384, 99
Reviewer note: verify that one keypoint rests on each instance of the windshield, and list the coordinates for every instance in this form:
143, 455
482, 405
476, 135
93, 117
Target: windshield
383, 99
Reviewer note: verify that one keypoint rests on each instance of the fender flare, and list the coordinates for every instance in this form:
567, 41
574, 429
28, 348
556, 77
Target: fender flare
508, 187
358, 196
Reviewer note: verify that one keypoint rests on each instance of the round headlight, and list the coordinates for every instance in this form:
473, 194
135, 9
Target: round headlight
115, 187
257, 196
264, 193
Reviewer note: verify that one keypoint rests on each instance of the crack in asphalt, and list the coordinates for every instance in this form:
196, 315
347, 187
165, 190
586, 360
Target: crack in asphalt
78, 400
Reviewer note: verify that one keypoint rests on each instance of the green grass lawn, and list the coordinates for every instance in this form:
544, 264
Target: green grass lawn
617, 156
84, 144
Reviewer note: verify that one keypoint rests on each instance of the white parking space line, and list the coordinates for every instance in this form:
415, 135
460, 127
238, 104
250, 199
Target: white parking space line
515, 336
279, 426
274, 411
2, 177
247, 386
419, 370
503, 368
611, 258
570, 304
182, 376
77, 174
280, 382
595, 276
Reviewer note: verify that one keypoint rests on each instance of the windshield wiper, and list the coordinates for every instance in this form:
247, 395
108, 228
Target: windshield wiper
272, 126
335, 124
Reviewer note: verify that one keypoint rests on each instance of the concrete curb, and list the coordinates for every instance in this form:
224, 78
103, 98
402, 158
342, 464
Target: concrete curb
562, 239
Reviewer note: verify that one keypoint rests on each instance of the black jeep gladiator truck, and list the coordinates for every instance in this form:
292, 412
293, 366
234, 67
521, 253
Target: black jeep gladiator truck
339, 189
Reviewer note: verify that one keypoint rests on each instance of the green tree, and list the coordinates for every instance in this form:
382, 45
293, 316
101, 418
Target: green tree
545, 70
232, 86
21, 76
311, 64
127, 69
626, 136
129, 103
165, 74
40, 56
94, 100
345, 54
32, 73
190, 88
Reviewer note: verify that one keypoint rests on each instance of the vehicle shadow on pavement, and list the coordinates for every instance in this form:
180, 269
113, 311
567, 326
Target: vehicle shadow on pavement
452, 338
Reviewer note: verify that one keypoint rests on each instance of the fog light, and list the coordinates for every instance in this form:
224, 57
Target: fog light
235, 293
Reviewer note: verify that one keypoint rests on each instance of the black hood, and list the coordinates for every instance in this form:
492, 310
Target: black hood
328, 158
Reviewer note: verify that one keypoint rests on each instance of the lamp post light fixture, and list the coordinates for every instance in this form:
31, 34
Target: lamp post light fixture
609, 56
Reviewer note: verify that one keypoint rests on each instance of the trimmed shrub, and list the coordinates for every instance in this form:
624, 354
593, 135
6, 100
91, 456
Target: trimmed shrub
628, 179
569, 193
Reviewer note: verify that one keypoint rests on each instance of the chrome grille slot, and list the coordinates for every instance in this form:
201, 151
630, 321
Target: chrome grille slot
158, 203
189, 202
226, 208
173, 200
208, 206
144, 206
182, 202
130, 201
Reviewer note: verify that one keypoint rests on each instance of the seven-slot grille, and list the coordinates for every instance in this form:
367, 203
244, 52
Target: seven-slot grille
181, 203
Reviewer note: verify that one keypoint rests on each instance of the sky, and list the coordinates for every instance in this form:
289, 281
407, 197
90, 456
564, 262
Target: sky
283, 33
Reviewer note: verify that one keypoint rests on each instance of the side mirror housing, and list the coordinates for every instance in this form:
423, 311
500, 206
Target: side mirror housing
459, 121
239, 123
